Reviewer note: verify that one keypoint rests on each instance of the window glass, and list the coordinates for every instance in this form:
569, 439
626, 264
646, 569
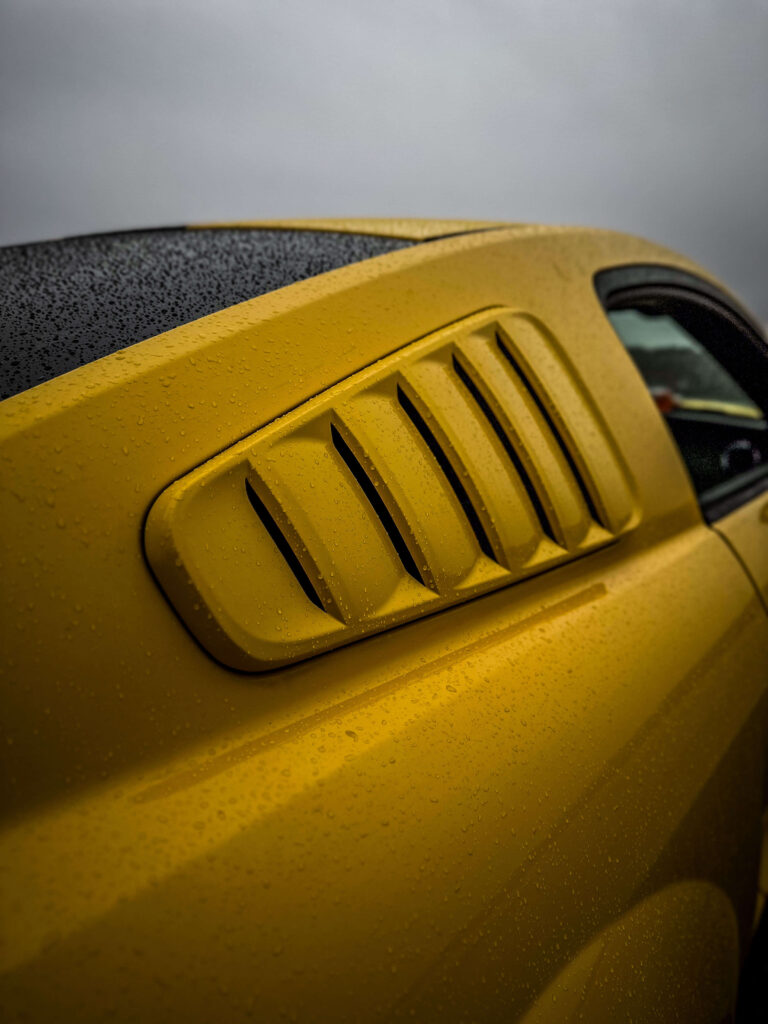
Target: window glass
721, 432
677, 368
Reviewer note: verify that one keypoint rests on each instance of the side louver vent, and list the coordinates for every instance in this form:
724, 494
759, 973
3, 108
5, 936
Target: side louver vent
459, 464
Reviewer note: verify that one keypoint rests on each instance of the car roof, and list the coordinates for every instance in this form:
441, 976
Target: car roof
412, 228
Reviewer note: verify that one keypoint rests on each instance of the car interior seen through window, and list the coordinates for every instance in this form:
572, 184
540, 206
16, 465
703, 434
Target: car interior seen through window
720, 429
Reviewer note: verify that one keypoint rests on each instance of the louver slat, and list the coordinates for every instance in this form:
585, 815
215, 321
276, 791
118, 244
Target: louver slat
466, 461
422, 498
590, 445
212, 555
530, 436
494, 488
345, 542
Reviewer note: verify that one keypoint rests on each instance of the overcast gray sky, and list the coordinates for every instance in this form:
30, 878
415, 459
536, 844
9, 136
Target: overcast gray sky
649, 116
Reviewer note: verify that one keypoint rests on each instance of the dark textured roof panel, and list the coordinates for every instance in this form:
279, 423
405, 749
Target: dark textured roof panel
71, 301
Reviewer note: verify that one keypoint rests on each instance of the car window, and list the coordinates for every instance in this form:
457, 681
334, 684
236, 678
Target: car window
700, 370
678, 369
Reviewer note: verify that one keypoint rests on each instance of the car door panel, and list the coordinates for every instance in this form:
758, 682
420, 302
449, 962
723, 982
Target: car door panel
746, 530
450, 824
430, 823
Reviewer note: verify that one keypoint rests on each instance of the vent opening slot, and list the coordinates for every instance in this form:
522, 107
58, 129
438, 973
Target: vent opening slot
282, 544
580, 482
533, 496
377, 503
449, 472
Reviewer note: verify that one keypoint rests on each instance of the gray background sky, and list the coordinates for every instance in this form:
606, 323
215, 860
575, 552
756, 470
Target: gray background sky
646, 115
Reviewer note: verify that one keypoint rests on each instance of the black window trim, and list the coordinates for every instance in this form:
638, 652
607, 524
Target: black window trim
619, 286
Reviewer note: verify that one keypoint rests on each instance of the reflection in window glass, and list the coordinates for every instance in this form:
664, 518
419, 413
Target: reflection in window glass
680, 372
720, 431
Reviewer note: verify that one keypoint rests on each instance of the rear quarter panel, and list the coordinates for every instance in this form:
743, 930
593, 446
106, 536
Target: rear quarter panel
431, 822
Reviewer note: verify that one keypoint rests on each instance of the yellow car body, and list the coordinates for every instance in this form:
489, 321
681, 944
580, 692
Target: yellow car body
528, 787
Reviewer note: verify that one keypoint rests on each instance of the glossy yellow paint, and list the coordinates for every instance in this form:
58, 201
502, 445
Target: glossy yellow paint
439, 822
665, 938
746, 530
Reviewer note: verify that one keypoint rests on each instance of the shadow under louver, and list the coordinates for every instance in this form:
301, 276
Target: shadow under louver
459, 464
